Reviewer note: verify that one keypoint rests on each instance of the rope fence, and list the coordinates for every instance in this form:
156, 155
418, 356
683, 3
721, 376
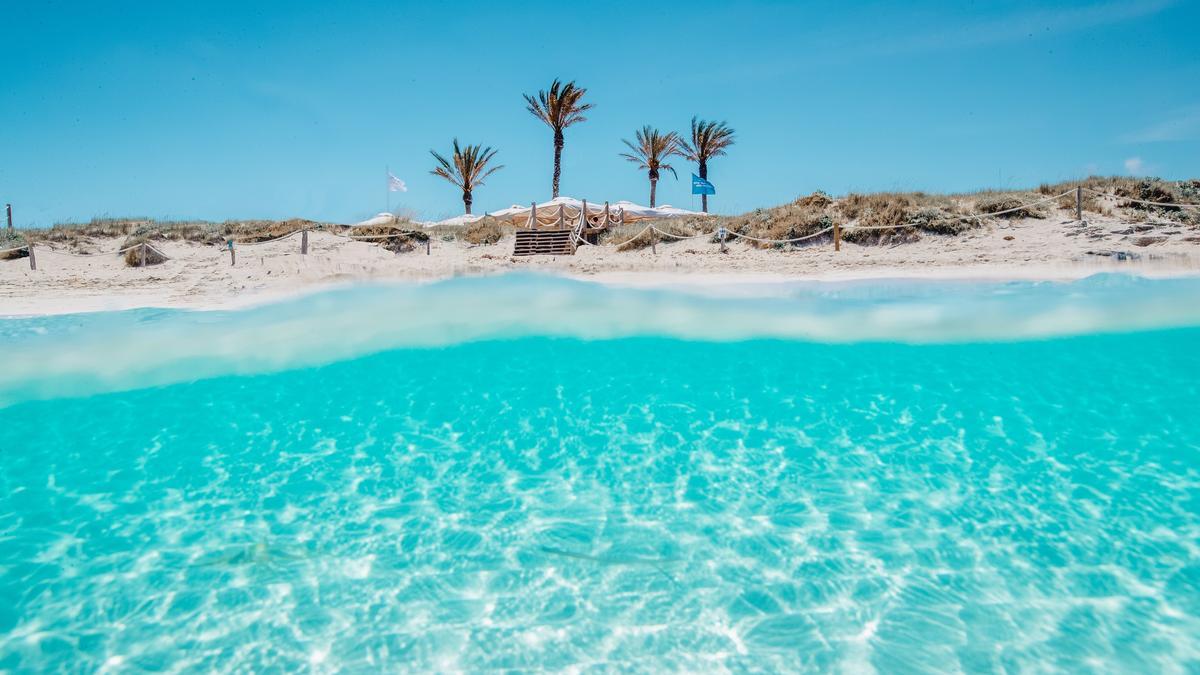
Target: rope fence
587, 219
98, 253
681, 237
633, 238
268, 241
782, 241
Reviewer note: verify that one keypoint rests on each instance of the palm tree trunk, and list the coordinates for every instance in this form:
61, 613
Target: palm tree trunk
467, 200
558, 146
704, 175
653, 185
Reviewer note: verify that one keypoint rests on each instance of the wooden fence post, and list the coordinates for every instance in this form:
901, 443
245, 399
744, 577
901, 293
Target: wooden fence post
142, 255
1079, 203
32, 258
8, 208
532, 214
427, 244
837, 237
304, 242
722, 232
654, 241
562, 216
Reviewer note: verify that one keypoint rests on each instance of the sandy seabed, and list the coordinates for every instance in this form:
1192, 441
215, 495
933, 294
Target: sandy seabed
200, 277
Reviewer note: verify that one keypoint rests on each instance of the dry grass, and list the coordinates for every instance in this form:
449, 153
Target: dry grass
1147, 191
83, 235
483, 231
941, 220
803, 217
908, 215
1012, 207
9, 240
880, 208
632, 236
1090, 203
252, 231
403, 237
138, 255
1119, 191
911, 215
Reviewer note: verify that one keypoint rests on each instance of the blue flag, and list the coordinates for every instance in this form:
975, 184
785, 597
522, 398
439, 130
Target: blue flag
702, 187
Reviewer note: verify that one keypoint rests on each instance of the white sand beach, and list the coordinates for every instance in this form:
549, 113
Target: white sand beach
200, 277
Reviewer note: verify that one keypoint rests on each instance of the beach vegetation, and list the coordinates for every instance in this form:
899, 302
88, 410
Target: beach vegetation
406, 241
401, 237
633, 236
483, 231
938, 220
708, 140
11, 240
802, 218
135, 255
908, 216
1011, 207
559, 107
650, 151
890, 210
1089, 203
1120, 196
466, 168
254, 231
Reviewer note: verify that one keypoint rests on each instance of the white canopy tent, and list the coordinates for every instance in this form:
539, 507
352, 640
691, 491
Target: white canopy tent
378, 219
519, 215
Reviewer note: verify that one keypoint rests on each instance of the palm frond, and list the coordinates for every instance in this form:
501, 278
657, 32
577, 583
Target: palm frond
652, 148
446, 169
560, 106
467, 166
708, 139
536, 108
494, 169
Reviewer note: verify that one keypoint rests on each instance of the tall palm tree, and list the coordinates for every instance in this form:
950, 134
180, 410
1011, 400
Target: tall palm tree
651, 151
559, 108
709, 139
466, 168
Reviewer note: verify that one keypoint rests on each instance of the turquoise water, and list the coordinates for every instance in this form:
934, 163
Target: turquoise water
856, 477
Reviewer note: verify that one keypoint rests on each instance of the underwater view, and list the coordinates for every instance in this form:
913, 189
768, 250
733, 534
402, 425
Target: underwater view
525, 472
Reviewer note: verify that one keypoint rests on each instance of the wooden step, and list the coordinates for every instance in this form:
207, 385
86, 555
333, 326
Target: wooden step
543, 242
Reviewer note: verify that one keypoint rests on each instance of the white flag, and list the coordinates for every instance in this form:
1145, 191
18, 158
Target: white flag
395, 184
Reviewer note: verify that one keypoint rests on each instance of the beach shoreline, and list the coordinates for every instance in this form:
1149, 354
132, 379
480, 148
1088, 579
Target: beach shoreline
200, 277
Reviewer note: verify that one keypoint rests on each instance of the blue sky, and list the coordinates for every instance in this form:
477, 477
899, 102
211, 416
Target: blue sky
292, 109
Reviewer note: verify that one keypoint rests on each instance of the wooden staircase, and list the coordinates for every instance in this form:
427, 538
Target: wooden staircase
544, 242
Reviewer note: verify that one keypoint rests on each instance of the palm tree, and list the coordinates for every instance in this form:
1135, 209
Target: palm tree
709, 139
651, 151
466, 168
559, 108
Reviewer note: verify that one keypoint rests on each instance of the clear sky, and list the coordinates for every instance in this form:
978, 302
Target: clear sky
220, 110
